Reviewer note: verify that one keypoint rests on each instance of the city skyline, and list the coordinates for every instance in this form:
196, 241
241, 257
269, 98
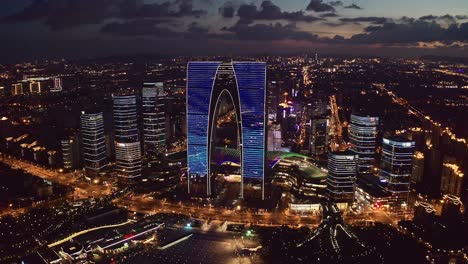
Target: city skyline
315, 157
233, 131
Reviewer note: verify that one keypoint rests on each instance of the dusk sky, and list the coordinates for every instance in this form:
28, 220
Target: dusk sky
96, 28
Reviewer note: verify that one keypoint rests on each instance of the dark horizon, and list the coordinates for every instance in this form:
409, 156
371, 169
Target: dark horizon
135, 57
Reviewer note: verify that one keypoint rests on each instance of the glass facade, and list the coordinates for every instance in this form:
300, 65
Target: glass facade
341, 176
94, 143
318, 138
250, 80
396, 165
127, 143
154, 132
362, 139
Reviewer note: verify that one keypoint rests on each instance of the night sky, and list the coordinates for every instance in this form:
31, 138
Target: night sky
97, 28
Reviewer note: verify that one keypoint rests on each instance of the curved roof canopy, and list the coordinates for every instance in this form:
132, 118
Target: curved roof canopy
224, 155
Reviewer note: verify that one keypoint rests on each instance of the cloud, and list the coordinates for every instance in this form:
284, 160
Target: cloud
372, 20
372, 28
328, 15
336, 3
406, 19
61, 14
134, 9
419, 31
428, 17
335, 24
138, 27
269, 11
227, 10
353, 6
319, 6
447, 18
270, 32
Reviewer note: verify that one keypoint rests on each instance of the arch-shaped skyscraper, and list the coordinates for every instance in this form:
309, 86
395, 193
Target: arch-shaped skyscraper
248, 97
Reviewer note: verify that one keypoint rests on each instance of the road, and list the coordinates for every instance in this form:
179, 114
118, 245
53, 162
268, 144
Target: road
336, 129
145, 204
141, 203
417, 113
81, 188
332, 236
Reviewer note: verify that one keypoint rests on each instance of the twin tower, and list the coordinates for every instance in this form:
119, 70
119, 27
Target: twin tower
244, 83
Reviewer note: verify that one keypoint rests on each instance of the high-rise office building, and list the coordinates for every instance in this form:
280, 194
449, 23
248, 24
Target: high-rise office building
274, 138
396, 166
35, 87
154, 133
17, 89
418, 167
66, 145
452, 179
424, 214
318, 107
70, 147
94, 143
273, 96
451, 208
244, 83
127, 141
319, 136
341, 176
57, 85
362, 140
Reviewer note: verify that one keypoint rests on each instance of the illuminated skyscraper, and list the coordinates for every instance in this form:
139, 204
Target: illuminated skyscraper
396, 166
274, 138
341, 177
154, 134
451, 208
35, 87
57, 85
127, 141
70, 147
319, 136
424, 214
248, 96
94, 143
418, 167
66, 145
273, 96
452, 179
17, 89
362, 139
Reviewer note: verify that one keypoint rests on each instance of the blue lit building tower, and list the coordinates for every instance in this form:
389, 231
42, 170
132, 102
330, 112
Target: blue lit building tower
362, 139
94, 143
127, 141
154, 132
396, 166
248, 96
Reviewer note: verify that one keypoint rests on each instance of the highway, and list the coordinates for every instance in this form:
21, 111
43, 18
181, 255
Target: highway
336, 129
146, 204
82, 187
332, 237
141, 203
